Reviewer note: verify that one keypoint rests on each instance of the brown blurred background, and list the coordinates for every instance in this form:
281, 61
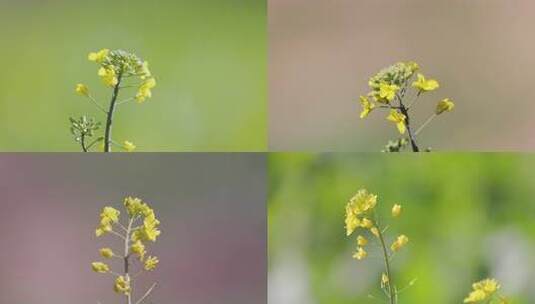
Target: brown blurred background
321, 54
212, 248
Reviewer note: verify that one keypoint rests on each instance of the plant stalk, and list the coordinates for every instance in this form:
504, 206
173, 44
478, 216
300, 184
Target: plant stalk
109, 120
82, 142
425, 123
412, 136
391, 292
126, 261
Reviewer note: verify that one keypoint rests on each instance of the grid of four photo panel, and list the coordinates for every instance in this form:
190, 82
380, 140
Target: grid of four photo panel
267, 152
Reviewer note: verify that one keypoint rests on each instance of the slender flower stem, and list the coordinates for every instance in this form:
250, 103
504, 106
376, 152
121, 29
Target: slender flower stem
391, 292
109, 121
82, 142
117, 234
122, 227
405, 111
414, 100
146, 294
426, 123
412, 136
97, 104
126, 261
125, 101
93, 143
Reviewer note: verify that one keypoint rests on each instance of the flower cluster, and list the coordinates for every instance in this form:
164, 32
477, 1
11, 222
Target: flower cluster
360, 214
389, 89
359, 210
140, 227
485, 291
118, 64
108, 216
118, 70
82, 129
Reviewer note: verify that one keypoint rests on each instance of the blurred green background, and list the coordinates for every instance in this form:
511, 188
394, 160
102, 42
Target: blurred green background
208, 56
468, 216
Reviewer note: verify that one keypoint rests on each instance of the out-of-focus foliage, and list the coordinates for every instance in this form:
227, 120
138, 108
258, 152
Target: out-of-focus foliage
469, 216
210, 58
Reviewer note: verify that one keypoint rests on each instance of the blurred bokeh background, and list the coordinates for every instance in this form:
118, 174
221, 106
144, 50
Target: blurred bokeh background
321, 54
208, 56
213, 220
468, 217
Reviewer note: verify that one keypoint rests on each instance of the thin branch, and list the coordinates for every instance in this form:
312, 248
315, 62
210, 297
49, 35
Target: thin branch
414, 99
94, 142
97, 104
117, 234
137, 274
146, 294
121, 226
389, 106
411, 283
430, 119
82, 143
125, 101
412, 137
392, 295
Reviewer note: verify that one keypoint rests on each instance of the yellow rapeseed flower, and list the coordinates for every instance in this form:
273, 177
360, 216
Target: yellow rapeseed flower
106, 252
150, 263
360, 254
482, 291
129, 146
367, 106
122, 285
108, 75
384, 280
351, 221
401, 241
445, 105
144, 91
139, 249
358, 205
145, 72
135, 206
413, 66
99, 56
399, 119
108, 216
387, 92
82, 89
361, 241
366, 223
487, 285
425, 85
374, 231
100, 267
150, 228
396, 210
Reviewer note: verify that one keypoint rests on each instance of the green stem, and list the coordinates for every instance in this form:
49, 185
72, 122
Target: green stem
97, 104
391, 292
405, 111
412, 136
109, 120
93, 143
426, 123
82, 142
